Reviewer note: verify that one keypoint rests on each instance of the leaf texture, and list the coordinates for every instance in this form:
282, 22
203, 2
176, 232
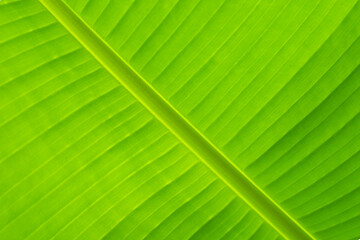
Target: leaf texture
272, 85
87, 156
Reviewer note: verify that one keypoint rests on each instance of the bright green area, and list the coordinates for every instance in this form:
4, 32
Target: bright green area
176, 124
273, 84
80, 156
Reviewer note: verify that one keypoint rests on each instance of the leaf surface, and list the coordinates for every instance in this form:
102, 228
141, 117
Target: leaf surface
265, 93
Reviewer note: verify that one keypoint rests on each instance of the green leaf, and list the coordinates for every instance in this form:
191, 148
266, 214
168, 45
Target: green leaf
144, 119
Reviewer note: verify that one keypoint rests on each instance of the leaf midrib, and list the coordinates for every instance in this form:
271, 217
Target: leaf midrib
176, 123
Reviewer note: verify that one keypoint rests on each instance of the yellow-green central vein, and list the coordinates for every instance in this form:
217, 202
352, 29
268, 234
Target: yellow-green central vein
177, 124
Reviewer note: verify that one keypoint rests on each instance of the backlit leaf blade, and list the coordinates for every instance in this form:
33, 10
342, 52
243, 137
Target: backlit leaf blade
272, 84
79, 155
